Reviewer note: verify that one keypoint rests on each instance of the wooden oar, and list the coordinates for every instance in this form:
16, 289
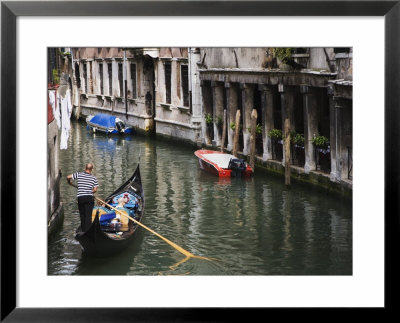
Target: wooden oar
180, 249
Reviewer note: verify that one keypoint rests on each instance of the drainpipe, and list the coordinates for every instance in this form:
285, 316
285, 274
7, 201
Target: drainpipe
125, 87
74, 84
190, 80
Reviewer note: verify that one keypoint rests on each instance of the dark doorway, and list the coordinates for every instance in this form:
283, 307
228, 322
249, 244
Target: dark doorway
149, 89
208, 111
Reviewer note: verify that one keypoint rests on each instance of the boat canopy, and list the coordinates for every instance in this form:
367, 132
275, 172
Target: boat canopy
104, 120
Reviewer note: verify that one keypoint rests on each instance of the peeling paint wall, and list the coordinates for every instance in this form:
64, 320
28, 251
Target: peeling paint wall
319, 58
233, 57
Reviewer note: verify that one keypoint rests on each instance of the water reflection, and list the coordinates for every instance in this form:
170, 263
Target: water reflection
252, 226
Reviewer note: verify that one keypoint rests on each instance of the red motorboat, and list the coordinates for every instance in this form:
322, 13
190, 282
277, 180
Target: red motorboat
222, 164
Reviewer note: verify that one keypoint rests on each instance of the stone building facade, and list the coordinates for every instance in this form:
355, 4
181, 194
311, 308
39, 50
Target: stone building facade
155, 90
58, 95
312, 87
182, 93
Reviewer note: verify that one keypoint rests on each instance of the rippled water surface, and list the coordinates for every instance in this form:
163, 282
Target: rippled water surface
249, 226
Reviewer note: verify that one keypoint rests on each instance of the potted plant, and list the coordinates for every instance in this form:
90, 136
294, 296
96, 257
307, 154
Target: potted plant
277, 149
283, 55
209, 119
209, 124
321, 144
298, 148
259, 139
298, 139
233, 126
275, 134
219, 121
64, 54
55, 81
258, 129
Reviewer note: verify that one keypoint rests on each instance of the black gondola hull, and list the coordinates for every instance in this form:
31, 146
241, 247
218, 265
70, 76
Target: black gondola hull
96, 243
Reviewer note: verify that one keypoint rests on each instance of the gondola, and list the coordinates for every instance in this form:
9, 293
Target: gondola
106, 240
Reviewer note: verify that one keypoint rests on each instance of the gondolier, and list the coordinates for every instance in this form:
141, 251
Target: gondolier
87, 186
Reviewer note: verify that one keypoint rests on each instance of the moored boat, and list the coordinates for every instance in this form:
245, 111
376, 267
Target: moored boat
107, 124
105, 238
222, 164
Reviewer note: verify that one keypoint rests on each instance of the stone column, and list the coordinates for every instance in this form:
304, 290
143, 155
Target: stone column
343, 136
247, 107
332, 134
346, 141
267, 108
287, 106
218, 109
231, 107
195, 82
115, 83
310, 106
75, 90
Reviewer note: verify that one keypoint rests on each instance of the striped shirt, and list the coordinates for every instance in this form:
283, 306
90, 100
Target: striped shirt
86, 183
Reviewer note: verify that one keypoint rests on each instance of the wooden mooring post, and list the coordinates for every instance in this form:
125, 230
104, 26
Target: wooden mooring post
223, 132
253, 138
287, 150
236, 137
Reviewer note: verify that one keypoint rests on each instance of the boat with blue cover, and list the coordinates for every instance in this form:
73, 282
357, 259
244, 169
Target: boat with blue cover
107, 124
112, 231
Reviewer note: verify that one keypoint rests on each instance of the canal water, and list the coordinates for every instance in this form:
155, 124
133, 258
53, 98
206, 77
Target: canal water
247, 226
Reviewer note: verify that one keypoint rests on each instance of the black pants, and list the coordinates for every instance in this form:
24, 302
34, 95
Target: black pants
85, 206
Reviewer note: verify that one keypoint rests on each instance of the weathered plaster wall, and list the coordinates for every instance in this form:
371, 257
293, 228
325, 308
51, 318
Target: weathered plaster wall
233, 57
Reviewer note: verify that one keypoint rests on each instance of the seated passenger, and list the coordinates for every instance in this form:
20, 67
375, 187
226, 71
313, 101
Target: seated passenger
121, 202
121, 206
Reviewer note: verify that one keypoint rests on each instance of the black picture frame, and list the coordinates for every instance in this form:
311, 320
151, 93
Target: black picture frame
10, 10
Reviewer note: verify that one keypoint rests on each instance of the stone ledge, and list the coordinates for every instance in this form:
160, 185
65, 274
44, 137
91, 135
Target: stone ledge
180, 124
184, 109
314, 178
165, 106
